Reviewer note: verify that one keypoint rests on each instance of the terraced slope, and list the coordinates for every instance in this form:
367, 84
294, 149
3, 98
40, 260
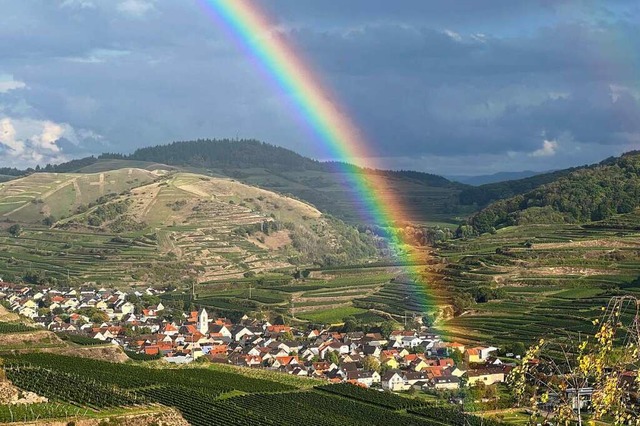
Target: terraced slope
551, 279
140, 226
32, 198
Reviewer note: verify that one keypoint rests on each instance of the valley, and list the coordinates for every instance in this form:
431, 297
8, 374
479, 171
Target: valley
146, 248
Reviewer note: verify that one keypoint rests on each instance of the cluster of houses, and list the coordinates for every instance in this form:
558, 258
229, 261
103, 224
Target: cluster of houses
402, 360
62, 310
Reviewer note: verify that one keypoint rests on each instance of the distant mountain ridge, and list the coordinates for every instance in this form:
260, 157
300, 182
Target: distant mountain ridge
483, 195
493, 178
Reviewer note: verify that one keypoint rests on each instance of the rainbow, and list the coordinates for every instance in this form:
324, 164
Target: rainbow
252, 29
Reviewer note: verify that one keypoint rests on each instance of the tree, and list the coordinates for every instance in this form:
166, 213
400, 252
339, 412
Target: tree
477, 391
461, 302
279, 320
387, 327
371, 363
15, 230
333, 357
456, 356
350, 324
99, 317
287, 336
519, 348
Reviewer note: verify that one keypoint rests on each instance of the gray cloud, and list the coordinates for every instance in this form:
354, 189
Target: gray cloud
430, 83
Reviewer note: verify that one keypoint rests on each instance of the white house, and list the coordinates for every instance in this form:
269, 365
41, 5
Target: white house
393, 381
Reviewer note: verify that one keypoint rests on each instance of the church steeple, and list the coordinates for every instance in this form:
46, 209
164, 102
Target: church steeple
203, 321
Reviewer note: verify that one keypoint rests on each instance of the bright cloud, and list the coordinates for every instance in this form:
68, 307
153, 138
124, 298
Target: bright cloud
548, 149
28, 142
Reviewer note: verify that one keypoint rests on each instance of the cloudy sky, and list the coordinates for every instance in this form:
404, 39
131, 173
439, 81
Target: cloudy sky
451, 87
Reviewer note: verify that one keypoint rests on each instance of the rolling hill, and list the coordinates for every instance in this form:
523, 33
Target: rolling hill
139, 226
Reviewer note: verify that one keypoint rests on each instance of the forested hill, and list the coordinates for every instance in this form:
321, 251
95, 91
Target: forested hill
587, 194
486, 194
248, 153
207, 153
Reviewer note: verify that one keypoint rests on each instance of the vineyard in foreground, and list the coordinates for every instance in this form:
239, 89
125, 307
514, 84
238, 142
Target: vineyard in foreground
213, 395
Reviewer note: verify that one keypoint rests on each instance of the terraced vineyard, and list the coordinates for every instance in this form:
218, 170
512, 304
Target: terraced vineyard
138, 226
7, 327
371, 295
218, 395
553, 278
32, 198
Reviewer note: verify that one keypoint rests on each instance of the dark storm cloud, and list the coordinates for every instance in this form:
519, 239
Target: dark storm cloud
528, 83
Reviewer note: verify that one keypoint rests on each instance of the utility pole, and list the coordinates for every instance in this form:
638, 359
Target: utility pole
249, 291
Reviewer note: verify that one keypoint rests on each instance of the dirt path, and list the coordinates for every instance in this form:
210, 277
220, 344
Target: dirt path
76, 187
167, 244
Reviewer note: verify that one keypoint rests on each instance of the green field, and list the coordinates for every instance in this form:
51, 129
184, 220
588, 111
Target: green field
333, 315
327, 297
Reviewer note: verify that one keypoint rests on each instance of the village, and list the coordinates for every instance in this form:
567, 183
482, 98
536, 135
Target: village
402, 360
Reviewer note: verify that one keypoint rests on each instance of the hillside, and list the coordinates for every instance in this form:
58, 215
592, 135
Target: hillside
483, 195
136, 226
33, 198
587, 194
430, 198
531, 281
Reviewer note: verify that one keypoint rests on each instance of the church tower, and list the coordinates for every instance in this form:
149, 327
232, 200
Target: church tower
203, 321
